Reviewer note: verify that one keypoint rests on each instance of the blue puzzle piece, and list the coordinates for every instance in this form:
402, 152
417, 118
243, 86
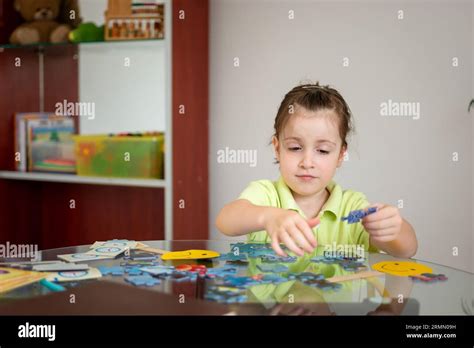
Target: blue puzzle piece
132, 263
142, 280
133, 271
323, 285
305, 276
158, 270
272, 268
240, 282
314, 280
277, 258
114, 270
349, 263
357, 215
260, 253
352, 265
179, 276
273, 278
232, 257
245, 248
224, 296
221, 271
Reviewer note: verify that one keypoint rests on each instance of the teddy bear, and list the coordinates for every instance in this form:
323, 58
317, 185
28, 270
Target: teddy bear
45, 21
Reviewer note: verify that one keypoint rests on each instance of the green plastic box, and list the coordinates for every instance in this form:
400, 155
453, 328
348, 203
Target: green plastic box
120, 156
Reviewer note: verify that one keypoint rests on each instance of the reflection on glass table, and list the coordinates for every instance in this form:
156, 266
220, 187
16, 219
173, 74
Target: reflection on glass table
384, 294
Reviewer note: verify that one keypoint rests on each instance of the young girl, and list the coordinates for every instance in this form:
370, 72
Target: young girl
304, 207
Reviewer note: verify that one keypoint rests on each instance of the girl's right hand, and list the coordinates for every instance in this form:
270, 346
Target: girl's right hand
290, 228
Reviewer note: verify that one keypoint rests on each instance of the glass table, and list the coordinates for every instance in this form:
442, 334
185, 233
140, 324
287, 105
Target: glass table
379, 295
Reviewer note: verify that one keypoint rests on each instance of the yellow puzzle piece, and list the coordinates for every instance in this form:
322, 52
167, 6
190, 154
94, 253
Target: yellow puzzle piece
401, 268
190, 255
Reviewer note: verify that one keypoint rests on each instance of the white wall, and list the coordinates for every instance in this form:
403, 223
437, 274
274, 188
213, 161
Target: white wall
390, 158
124, 80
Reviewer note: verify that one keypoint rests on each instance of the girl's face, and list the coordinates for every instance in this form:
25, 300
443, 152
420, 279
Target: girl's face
309, 150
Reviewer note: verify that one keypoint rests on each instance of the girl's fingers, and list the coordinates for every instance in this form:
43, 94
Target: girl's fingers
300, 239
276, 246
285, 238
383, 232
382, 213
384, 239
380, 225
307, 233
314, 222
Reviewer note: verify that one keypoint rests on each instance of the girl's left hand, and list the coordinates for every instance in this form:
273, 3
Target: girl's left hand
385, 224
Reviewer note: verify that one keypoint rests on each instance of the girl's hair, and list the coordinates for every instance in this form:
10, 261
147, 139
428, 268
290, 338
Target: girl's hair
314, 97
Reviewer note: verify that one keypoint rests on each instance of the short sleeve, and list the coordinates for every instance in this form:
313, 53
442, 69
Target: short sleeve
360, 235
262, 193
259, 193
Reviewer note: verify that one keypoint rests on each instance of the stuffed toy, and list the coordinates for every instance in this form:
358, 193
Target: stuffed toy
87, 32
45, 21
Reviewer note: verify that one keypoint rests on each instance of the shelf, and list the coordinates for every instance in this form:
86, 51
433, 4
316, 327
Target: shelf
42, 45
75, 179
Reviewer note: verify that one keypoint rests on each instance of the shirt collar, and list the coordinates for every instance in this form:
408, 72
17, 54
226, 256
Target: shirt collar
332, 204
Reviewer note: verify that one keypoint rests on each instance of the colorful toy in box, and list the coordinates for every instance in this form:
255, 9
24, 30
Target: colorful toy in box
50, 145
120, 156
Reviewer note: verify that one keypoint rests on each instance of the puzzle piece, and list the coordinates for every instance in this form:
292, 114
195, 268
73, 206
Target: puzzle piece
199, 269
315, 280
277, 258
429, 277
142, 280
138, 255
221, 271
133, 271
225, 295
272, 268
231, 257
305, 276
245, 248
140, 263
349, 263
240, 282
158, 270
253, 254
273, 278
352, 265
357, 215
323, 284
114, 270
182, 276
190, 255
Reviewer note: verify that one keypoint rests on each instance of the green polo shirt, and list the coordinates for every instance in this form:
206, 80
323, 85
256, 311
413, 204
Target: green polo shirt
331, 231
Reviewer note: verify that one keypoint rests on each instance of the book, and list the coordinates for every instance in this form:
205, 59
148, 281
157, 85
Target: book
50, 145
20, 136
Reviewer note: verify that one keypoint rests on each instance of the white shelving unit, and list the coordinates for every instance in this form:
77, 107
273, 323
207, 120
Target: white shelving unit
167, 183
76, 179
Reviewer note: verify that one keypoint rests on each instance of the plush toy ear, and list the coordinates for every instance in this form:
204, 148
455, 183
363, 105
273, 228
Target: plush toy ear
17, 5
